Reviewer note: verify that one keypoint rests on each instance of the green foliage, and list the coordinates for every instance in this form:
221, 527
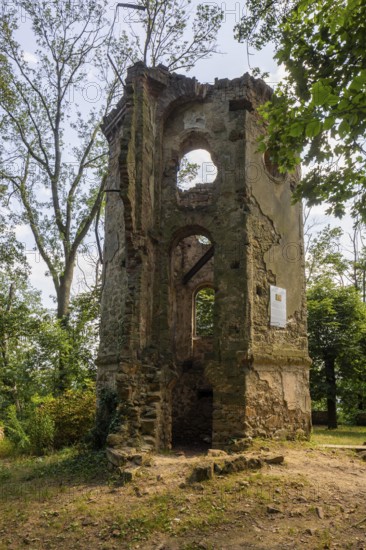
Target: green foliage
188, 172
83, 335
20, 317
32, 340
317, 111
41, 431
15, 430
337, 322
52, 422
58, 183
262, 20
205, 300
324, 256
352, 391
337, 338
73, 415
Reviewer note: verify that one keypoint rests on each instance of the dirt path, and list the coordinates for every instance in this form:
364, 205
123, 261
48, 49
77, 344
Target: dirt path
316, 499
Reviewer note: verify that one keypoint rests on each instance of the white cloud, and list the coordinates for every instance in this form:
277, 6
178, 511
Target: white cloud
30, 57
276, 76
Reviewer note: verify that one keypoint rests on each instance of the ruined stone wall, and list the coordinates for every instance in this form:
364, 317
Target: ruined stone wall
258, 373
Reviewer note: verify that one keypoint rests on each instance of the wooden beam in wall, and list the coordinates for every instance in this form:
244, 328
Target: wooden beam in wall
198, 265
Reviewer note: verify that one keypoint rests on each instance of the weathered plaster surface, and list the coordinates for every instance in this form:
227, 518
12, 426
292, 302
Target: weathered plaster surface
249, 378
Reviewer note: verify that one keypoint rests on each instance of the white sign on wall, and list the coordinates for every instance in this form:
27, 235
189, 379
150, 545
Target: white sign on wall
278, 306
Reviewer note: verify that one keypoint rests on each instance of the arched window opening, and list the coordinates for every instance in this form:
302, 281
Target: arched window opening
196, 167
204, 311
192, 299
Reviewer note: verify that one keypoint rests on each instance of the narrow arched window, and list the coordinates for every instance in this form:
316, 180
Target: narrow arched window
204, 311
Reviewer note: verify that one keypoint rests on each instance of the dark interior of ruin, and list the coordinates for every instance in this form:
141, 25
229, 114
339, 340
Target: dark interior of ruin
192, 315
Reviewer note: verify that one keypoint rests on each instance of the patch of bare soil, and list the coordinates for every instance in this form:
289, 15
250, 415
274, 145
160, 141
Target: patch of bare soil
315, 499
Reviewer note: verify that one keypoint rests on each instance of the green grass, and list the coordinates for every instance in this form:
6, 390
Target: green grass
67, 467
344, 435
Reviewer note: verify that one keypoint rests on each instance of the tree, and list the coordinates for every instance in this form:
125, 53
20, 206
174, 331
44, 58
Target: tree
50, 136
32, 338
319, 110
51, 114
324, 256
188, 172
166, 40
337, 335
53, 155
82, 336
338, 255
20, 311
336, 269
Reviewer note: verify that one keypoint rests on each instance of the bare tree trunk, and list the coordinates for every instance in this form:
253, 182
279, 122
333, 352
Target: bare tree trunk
331, 394
64, 293
63, 305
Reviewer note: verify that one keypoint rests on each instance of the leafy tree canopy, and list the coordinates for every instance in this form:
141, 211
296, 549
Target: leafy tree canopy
337, 337
188, 172
53, 155
324, 256
319, 109
337, 321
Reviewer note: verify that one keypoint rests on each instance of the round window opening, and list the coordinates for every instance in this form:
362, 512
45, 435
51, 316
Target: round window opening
271, 167
196, 167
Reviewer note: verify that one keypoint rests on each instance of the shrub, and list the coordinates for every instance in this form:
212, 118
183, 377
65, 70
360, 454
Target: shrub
32, 434
15, 430
7, 448
41, 431
52, 422
73, 414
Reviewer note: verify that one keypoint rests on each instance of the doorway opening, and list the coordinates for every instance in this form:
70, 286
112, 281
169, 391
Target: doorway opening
192, 311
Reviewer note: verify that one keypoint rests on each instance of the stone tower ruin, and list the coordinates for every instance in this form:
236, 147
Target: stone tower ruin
239, 235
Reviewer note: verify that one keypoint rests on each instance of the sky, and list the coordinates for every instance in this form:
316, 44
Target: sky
233, 61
